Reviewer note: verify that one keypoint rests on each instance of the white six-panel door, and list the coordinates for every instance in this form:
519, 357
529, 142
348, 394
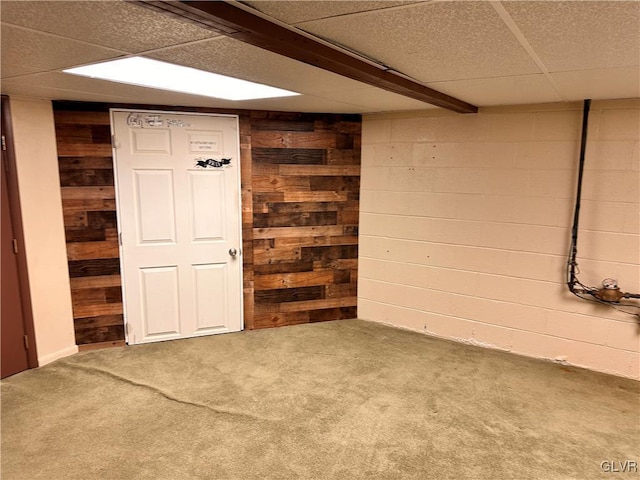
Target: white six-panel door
179, 217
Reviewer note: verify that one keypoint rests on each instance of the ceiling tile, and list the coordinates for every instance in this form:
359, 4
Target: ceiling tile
115, 24
236, 59
372, 99
432, 41
296, 11
60, 86
303, 103
14, 87
501, 91
580, 35
608, 83
25, 51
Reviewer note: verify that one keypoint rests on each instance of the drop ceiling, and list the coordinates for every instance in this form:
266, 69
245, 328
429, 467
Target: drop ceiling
483, 52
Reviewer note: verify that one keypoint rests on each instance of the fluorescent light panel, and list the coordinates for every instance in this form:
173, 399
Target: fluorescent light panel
145, 72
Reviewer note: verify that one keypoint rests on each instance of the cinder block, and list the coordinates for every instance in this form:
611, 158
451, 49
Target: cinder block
518, 317
498, 287
539, 346
611, 186
604, 216
612, 155
427, 204
506, 182
461, 180
381, 201
632, 219
565, 125
376, 131
535, 266
413, 179
485, 154
465, 257
374, 178
491, 335
402, 295
462, 128
452, 281
619, 124
395, 272
548, 211
547, 155
419, 129
527, 238
489, 208
449, 327
371, 223
604, 359
367, 153
614, 247
392, 315
434, 154
592, 272
390, 155
583, 328
512, 127
552, 183
623, 335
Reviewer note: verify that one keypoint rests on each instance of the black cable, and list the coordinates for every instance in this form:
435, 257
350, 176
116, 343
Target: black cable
572, 264
573, 252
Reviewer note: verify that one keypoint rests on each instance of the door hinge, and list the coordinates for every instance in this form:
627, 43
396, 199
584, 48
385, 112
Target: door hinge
26, 342
15, 246
4, 143
120, 238
113, 141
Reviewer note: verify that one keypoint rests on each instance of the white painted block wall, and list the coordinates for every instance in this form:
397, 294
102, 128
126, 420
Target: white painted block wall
465, 226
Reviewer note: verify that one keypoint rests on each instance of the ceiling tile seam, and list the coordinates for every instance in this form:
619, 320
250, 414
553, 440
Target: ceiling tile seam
27, 75
595, 69
300, 31
58, 89
334, 101
179, 45
55, 35
364, 12
515, 30
321, 96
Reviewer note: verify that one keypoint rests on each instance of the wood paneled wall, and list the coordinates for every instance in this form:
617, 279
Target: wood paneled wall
306, 184
300, 196
88, 202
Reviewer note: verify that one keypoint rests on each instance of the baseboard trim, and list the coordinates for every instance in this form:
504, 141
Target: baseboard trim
51, 357
101, 345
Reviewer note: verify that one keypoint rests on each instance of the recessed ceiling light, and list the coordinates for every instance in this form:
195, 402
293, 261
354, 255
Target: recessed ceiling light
145, 72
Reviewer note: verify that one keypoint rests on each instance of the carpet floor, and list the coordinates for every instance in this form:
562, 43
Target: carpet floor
336, 400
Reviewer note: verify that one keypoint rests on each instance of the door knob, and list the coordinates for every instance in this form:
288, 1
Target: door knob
233, 252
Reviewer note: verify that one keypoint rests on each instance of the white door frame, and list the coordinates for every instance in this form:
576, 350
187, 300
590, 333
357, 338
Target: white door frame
119, 209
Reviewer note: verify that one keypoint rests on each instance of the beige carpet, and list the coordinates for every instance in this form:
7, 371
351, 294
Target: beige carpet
337, 400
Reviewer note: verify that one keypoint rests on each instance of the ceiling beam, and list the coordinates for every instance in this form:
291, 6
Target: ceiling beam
237, 21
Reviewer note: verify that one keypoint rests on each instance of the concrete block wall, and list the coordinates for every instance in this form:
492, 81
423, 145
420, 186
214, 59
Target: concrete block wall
465, 225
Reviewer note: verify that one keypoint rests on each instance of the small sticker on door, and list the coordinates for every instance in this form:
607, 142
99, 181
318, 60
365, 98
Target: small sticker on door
205, 142
212, 162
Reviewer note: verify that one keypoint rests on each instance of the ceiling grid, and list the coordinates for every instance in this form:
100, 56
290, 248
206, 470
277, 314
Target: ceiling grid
485, 53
